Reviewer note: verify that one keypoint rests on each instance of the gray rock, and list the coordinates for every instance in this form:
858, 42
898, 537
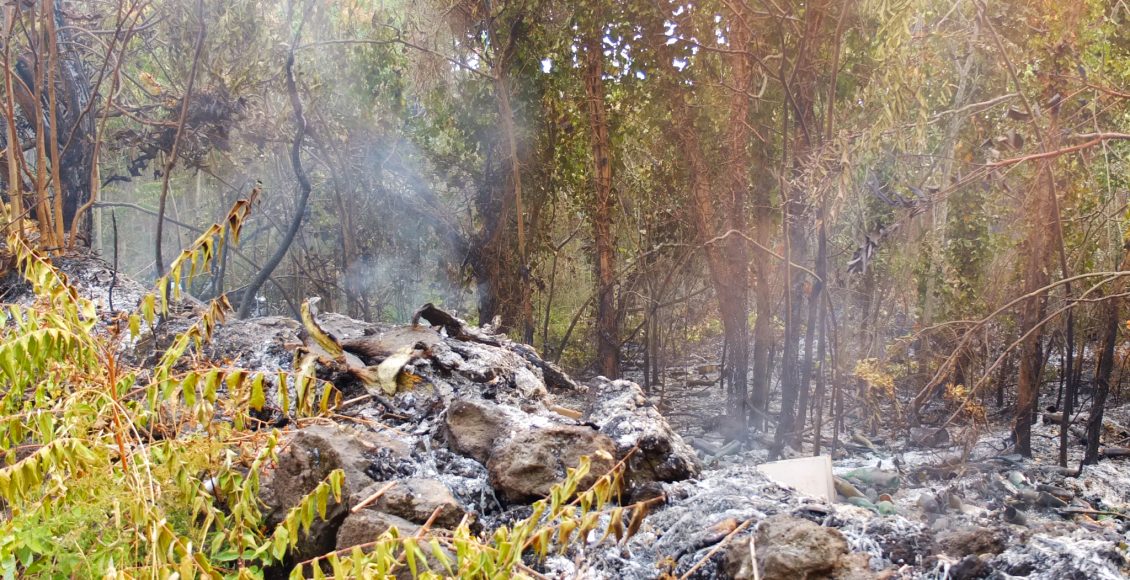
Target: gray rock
343, 327
414, 499
789, 548
554, 377
527, 466
857, 566
930, 436
966, 540
971, 567
366, 526
1081, 555
309, 455
262, 344
623, 413
473, 427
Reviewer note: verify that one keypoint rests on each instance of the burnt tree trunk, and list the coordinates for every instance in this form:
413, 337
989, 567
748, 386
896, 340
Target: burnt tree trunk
723, 236
1042, 213
732, 303
1106, 362
763, 301
304, 189
78, 129
1031, 363
800, 93
1102, 382
503, 277
50, 83
815, 311
1032, 311
735, 310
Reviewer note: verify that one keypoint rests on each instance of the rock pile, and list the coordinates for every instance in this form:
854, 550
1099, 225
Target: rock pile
473, 434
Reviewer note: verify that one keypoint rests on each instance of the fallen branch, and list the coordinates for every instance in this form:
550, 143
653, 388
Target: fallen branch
1086, 512
455, 327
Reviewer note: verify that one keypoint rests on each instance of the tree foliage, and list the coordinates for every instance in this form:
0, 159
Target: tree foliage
928, 189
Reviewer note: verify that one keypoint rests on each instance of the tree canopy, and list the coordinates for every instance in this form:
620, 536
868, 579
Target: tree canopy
916, 207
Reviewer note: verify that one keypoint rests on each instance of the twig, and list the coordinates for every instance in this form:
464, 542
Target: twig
973, 108
1092, 140
114, 274
702, 561
354, 400
753, 557
374, 497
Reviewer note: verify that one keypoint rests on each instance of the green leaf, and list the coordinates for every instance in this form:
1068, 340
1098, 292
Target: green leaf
412, 551
225, 556
258, 398
211, 385
280, 541
188, 389
148, 304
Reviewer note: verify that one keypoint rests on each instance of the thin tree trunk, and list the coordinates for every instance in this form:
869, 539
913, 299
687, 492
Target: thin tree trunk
1005, 371
524, 319
762, 325
821, 377
1068, 406
800, 90
789, 372
732, 304
1078, 379
159, 258
1031, 363
607, 333
304, 186
1102, 382
736, 182
814, 311
1106, 362
13, 221
763, 301
727, 257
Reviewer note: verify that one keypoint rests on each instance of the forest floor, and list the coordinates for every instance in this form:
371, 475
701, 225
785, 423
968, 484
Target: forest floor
967, 507
961, 507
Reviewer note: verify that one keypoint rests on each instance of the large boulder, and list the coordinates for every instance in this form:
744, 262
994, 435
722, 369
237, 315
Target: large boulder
414, 499
622, 412
526, 467
476, 369
473, 427
309, 455
365, 526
